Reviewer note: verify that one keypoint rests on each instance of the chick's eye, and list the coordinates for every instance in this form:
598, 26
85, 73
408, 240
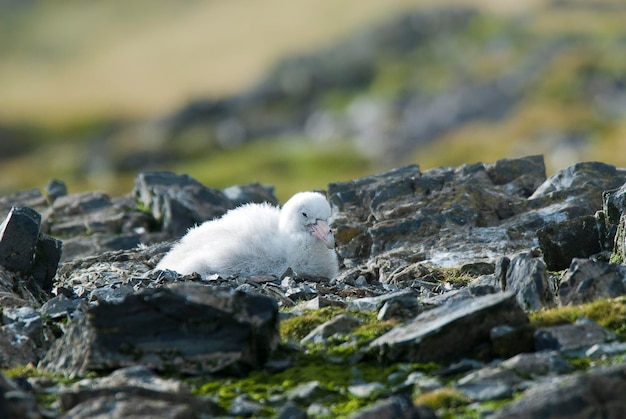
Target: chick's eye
304, 214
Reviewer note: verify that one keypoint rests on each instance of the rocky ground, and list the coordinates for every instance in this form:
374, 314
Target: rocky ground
484, 290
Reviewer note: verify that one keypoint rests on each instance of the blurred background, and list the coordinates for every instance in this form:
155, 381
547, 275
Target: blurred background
301, 93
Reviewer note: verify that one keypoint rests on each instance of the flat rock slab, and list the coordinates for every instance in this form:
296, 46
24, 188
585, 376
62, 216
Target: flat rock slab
450, 331
18, 238
598, 394
189, 328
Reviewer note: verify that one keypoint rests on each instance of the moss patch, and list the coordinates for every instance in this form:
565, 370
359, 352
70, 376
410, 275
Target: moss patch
610, 313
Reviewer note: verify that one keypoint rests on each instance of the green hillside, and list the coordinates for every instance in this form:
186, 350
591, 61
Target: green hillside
234, 92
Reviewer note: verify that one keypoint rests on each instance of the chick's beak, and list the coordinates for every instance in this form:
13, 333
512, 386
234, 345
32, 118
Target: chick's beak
321, 230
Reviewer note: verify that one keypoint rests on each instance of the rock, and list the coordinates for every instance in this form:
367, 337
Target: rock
366, 390
450, 217
15, 403
508, 341
601, 350
614, 204
319, 302
60, 307
18, 238
619, 250
55, 189
449, 332
587, 280
501, 381
527, 277
531, 365
47, 256
132, 392
588, 176
291, 411
572, 338
189, 328
178, 202
341, 324
376, 303
598, 393
31, 198
399, 406
577, 238
253, 192
306, 392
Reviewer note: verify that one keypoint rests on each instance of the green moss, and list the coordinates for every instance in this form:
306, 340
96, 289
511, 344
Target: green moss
443, 398
610, 313
300, 326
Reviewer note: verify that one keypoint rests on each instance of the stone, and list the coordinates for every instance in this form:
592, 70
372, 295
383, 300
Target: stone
60, 307
366, 390
178, 202
577, 238
306, 392
527, 277
47, 256
572, 338
619, 249
399, 406
291, 411
55, 189
587, 280
449, 332
598, 393
16, 403
376, 303
18, 238
132, 392
187, 328
508, 341
341, 324
251, 193
614, 204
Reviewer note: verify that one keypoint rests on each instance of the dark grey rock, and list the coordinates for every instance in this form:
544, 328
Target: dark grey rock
341, 324
577, 238
81, 203
512, 375
532, 365
47, 256
587, 280
399, 406
133, 392
449, 332
508, 341
598, 393
253, 192
291, 411
400, 308
614, 204
376, 303
590, 176
55, 189
178, 202
319, 302
306, 392
16, 403
527, 277
619, 250
18, 238
189, 328
450, 217
60, 307
572, 338
31, 198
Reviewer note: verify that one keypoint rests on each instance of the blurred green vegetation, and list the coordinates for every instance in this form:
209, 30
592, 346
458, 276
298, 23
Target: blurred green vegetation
72, 92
